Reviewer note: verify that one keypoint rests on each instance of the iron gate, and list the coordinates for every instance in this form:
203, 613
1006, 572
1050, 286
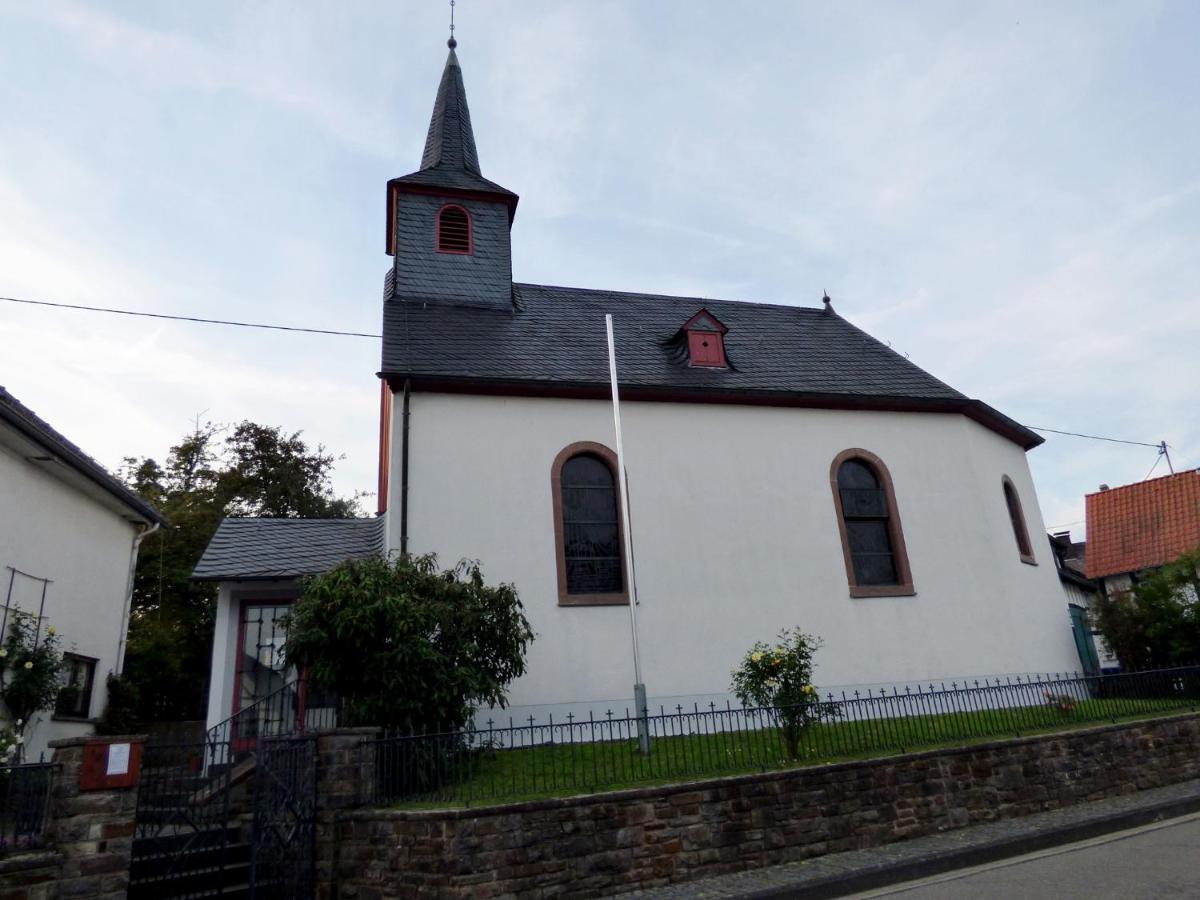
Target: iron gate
184, 844
283, 842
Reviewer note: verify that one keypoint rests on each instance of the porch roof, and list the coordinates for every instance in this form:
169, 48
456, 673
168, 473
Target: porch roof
254, 549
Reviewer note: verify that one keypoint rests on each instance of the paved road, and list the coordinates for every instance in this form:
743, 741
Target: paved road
1155, 862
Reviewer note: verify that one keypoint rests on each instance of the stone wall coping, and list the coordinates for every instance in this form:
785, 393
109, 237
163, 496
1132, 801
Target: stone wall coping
97, 739
29, 859
652, 792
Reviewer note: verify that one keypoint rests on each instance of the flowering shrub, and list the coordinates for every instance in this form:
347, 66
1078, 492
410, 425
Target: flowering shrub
1064, 703
30, 670
11, 742
779, 677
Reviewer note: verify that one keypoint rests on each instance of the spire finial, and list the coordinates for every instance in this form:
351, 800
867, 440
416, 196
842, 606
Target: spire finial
828, 302
452, 43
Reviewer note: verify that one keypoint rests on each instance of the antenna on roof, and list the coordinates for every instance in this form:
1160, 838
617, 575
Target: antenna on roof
452, 43
1162, 449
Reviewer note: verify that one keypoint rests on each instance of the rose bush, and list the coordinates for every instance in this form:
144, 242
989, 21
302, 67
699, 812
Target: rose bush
31, 668
778, 677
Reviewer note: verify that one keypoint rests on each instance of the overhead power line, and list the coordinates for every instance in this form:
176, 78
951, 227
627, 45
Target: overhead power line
1096, 437
150, 315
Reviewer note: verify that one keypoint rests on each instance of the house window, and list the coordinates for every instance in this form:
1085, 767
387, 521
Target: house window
453, 230
1016, 518
869, 524
75, 697
587, 523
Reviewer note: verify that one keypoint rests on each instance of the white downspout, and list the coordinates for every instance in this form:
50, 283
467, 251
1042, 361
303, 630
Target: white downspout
125, 613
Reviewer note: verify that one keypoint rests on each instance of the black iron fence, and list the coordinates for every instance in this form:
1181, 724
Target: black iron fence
24, 804
600, 752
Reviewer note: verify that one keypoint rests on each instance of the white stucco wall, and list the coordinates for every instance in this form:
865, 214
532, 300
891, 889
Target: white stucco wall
52, 529
736, 537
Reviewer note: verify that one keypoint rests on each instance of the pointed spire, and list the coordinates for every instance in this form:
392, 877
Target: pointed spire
451, 142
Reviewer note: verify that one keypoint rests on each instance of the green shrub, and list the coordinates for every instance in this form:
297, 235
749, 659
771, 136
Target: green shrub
779, 677
406, 646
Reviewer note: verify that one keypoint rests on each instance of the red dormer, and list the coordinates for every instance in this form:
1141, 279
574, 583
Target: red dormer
706, 340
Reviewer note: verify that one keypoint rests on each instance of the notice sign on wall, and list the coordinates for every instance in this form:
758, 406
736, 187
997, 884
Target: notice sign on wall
118, 760
106, 765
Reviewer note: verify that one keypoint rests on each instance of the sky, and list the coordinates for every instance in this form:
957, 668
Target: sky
1007, 193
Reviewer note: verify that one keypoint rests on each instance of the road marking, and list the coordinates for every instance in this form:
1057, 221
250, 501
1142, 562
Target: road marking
958, 874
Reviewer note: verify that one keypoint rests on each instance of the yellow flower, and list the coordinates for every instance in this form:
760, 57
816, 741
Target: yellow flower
778, 660
755, 656
29, 663
3, 653
809, 689
50, 631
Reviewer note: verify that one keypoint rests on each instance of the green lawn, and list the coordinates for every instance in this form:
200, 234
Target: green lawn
591, 762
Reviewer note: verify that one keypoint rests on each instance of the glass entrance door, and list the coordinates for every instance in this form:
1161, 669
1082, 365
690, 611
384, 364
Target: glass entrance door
267, 693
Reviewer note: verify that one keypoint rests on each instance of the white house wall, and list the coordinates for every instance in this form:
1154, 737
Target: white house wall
736, 537
53, 530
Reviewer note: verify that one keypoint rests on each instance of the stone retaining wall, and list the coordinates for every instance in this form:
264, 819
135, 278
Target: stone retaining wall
602, 844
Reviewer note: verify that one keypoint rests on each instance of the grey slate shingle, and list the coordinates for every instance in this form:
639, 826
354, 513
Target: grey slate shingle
555, 336
20, 417
255, 549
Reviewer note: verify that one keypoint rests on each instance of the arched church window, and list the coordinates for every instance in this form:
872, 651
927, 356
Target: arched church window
453, 230
588, 536
1016, 518
869, 524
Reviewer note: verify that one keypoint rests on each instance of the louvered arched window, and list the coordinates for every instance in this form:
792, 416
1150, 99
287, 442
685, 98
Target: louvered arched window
453, 230
869, 524
1016, 517
588, 537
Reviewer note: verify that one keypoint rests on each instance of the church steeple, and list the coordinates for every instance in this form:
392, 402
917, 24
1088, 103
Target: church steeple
451, 142
448, 226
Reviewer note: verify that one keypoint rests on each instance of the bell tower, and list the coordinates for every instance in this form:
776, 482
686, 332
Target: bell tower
448, 227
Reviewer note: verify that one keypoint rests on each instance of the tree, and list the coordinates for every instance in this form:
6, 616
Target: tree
1157, 623
245, 470
405, 645
31, 664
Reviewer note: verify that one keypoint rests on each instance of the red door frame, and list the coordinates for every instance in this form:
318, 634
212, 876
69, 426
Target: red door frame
245, 743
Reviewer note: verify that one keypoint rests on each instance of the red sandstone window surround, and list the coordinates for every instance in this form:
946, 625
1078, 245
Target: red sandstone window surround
454, 230
1017, 518
589, 538
869, 525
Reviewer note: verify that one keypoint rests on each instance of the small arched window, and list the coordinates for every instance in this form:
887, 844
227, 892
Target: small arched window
588, 535
453, 230
869, 524
1016, 517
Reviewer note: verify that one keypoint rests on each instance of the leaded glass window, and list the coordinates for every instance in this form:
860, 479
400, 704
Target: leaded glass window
591, 536
868, 528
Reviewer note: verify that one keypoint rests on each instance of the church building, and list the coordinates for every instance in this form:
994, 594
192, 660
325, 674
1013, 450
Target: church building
785, 469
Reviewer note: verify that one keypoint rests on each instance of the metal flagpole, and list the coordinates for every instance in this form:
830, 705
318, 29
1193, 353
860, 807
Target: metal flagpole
639, 688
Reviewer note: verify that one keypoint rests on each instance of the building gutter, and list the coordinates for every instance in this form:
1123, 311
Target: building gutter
144, 531
404, 416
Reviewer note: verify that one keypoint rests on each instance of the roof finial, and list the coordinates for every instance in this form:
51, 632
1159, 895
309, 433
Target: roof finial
825, 299
452, 43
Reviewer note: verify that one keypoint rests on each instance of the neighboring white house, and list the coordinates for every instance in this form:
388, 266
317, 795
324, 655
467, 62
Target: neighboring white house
69, 535
785, 469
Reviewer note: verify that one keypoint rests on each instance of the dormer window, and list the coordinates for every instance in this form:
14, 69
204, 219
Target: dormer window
453, 230
706, 341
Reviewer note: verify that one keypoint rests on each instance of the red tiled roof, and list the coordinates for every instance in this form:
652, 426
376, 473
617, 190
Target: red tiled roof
1142, 525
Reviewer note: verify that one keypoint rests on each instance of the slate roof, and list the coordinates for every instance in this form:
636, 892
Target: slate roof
26, 422
1140, 526
256, 549
450, 158
554, 336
